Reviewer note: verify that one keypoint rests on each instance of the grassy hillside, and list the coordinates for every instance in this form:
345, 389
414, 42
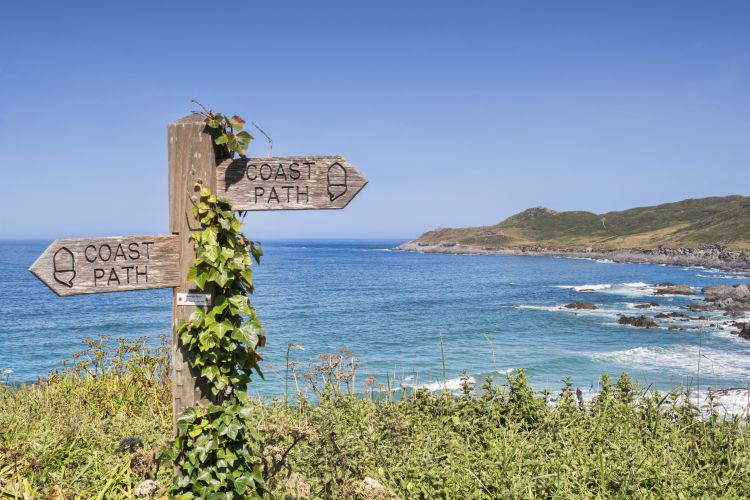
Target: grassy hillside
687, 223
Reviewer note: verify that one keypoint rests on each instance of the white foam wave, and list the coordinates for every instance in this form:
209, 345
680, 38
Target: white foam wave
453, 384
725, 276
585, 288
681, 359
633, 305
633, 289
600, 312
729, 401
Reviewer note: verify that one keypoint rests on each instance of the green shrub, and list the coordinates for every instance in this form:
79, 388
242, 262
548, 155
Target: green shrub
66, 437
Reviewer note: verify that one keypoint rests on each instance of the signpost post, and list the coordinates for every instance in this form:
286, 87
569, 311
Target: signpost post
122, 263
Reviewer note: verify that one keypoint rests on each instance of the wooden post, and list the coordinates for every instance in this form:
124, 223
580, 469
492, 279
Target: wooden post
191, 159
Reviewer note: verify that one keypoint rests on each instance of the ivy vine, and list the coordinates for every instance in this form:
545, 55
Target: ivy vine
217, 451
227, 132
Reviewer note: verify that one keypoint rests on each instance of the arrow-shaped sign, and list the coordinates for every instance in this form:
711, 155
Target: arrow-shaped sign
288, 182
116, 264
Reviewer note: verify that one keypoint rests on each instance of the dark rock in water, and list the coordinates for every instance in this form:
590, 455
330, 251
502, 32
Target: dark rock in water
639, 321
735, 311
673, 315
580, 305
741, 292
716, 292
699, 307
672, 289
672, 328
646, 306
734, 300
745, 332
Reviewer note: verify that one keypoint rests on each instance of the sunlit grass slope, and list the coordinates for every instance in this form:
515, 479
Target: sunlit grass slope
687, 223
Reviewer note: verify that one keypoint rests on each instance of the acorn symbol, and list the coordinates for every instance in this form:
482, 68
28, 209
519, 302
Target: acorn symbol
336, 181
64, 265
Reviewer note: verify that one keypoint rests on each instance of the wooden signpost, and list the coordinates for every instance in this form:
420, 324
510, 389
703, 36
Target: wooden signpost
289, 183
122, 263
117, 264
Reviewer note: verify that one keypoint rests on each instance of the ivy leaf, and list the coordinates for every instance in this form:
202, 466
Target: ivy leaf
257, 252
210, 372
221, 139
186, 418
212, 253
240, 143
236, 123
207, 340
199, 278
231, 430
240, 303
196, 318
223, 327
247, 333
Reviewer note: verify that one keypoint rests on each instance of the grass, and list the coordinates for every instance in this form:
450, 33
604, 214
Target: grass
687, 223
67, 438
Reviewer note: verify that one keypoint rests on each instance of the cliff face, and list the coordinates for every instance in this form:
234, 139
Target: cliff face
687, 224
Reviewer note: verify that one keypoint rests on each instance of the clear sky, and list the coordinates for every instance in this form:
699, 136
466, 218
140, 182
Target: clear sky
459, 113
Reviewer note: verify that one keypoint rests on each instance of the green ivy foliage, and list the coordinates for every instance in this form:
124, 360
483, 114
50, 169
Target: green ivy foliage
216, 449
227, 132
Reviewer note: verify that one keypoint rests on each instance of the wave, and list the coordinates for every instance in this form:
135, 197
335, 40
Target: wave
609, 313
585, 288
632, 306
453, 384
725, 276
680, 359
633, 289
733, 401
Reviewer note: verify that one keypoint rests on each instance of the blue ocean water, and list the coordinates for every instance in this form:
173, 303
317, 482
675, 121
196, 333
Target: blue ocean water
495, 314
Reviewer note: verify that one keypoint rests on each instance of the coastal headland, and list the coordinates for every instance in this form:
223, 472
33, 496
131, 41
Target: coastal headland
710, 232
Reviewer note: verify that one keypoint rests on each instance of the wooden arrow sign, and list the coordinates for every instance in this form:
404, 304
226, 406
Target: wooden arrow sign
288, 183
116, 264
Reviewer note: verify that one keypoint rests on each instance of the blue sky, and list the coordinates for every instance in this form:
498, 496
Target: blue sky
459, 113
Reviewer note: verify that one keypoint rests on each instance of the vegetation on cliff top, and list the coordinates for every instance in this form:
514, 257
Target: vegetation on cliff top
688, 223
99, 429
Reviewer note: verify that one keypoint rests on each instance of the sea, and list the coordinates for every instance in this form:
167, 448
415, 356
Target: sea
410, 319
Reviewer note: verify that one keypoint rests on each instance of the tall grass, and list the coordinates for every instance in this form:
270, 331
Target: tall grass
98, 429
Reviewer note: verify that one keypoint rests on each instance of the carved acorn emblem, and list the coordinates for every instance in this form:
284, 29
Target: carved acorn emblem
64, 267
336, 181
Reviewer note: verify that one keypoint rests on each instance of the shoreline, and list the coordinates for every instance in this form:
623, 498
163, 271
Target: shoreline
710, 256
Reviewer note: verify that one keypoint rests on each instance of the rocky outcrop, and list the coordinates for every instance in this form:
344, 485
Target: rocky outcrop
714, 256
672, 289
745, 332
672, 315
734, 300
580, 305
700, 307
647, 306
639, 321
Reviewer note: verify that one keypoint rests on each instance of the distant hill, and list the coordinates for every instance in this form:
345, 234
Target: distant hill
685, 224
